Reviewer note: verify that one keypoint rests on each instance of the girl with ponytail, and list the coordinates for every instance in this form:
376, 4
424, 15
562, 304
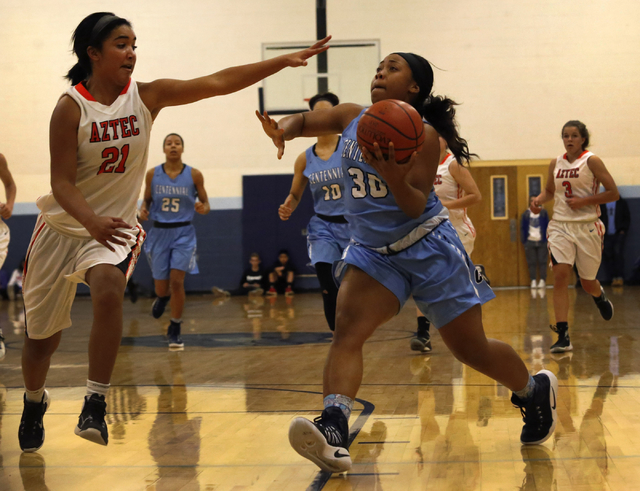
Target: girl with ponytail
99, 142
402, 245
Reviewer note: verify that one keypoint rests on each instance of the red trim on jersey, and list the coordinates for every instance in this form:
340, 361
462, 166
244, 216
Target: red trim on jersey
445, 158
126, 87
26, 260
82, 90
135, 252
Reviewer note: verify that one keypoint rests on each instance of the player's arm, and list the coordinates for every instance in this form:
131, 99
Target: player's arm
549, 190
63, 144
6, 209
168, 92
311, 123
147, 197
464, 178
202, 205
602, 175
410, 183
298, 186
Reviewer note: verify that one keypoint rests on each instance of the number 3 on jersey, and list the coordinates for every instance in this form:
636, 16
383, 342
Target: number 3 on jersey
568, 193
373, 185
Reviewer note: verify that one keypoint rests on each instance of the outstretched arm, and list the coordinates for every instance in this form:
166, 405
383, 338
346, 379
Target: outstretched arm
6, 209
311, 123
202, 206
168, 92
298, 185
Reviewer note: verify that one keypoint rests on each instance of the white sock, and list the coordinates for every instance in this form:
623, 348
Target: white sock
34, 395
176, 321
97, 388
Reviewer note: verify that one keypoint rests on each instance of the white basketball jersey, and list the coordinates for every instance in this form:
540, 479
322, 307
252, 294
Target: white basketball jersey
113, 146
574, 180
447, 188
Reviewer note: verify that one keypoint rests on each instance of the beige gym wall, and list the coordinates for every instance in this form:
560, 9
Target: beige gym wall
521, 69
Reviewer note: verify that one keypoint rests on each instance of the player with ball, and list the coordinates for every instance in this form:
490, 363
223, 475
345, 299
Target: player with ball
402, 245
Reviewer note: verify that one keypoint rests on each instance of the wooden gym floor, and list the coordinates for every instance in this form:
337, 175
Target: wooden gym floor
215, 416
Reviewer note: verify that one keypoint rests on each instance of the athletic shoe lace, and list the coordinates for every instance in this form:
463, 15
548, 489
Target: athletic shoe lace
32, 420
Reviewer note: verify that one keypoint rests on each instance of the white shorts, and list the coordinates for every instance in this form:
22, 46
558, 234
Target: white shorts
4, 241
579, 243
466, 233
55, 264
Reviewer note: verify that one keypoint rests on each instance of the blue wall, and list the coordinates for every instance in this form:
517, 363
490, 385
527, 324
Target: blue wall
226, 237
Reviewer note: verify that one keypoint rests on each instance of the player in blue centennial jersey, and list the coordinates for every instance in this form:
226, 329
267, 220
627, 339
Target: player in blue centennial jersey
328, 231
403, 244
174, 191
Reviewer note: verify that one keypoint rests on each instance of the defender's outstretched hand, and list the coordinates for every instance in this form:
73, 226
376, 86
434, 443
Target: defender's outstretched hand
299, 58
270, 127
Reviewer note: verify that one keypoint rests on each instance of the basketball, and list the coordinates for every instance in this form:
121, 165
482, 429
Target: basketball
392, 121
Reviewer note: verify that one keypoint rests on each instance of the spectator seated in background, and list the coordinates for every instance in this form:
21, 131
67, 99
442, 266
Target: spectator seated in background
616, 218
282, 276
254, 278
14, 287
533, 232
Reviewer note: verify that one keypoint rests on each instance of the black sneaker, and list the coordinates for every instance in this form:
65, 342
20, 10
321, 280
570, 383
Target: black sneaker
604, 305
323, 441
173, 334
563, 343
539, 411
421, 344
91, 424
159, 304
31, 431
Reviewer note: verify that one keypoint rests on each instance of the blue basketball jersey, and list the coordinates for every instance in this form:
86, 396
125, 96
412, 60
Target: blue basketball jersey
173, 200
374, 217
326, 181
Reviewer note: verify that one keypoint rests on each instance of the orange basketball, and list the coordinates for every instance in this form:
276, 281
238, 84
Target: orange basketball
392, 121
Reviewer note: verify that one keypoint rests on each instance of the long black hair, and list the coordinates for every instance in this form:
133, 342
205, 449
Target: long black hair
92, 31
439, 111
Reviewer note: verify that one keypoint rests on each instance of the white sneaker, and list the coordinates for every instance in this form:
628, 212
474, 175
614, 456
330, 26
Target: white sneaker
542, 284
533, 284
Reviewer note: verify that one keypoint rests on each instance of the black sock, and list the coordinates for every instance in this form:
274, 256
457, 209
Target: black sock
423, 327
165, 299
562, 326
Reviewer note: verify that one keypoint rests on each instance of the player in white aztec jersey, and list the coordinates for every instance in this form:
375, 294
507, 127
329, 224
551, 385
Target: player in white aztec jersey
457, 190
6, 209
575, 233
87, 230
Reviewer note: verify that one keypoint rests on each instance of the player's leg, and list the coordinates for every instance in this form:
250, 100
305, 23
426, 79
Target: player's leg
107, 283
422, 341
177, 306
363, 305
157, 248
329, 292
563, 250
588, 259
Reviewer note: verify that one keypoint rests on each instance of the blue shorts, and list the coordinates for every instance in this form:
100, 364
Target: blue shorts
326, 240
436, 271
171, 248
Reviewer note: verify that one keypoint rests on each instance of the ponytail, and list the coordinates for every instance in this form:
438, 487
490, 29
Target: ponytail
440, 112
77, 74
